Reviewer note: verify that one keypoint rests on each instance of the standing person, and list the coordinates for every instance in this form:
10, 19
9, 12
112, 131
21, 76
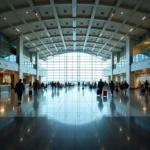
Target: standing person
100, 86
112, 86
125, 86
83, 85
35, 86
19, 89
146, 85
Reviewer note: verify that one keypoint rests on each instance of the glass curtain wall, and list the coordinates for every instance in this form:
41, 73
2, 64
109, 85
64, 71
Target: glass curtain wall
74, 67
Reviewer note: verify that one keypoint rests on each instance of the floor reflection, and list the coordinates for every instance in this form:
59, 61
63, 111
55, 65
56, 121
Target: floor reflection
75, 118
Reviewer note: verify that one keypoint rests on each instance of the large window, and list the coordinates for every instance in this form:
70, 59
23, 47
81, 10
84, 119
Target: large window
73, 67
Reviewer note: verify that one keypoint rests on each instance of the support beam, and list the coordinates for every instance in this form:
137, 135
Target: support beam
58, 22
20, 57
102, 38
90, 23
124, 21
107, 23
74, 15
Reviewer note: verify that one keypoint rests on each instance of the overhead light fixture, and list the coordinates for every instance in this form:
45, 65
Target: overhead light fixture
112, 15
27, 38
4, 18
144, 18
17, 29
110, 49
27, 12
122, 38
48, 35
36, 14
121, 13
131, 30
33, 44
101, 34
146, 42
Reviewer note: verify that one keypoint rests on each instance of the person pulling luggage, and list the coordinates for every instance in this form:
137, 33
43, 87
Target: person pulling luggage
100, 87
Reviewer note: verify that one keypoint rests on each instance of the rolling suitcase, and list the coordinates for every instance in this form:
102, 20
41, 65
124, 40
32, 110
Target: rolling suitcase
105, 93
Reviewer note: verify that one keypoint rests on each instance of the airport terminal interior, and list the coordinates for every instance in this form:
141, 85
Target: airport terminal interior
67, 53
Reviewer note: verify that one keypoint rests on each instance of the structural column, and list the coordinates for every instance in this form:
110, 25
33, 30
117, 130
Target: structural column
128, 59
19, 75
112, 65
20, 56
37, 66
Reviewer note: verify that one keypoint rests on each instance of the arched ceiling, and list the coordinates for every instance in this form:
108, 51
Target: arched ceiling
52, 27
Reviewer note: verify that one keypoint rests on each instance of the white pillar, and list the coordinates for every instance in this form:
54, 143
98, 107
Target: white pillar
128, 59
20, 56
37, 66
112, 64
32, 79
121, 78
116, 78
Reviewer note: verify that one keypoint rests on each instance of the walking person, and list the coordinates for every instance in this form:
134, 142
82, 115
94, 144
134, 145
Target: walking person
100, 86
126, 85
35, 87
19, 89
146, 85
112, 87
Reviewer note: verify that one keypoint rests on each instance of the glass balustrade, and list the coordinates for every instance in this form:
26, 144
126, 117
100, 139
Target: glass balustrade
28, 64
145, 55
7, 56
120, 64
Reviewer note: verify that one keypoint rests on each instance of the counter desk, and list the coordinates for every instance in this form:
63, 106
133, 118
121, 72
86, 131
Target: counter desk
4, 88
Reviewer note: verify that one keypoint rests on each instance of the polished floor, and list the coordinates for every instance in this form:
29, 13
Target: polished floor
75, 119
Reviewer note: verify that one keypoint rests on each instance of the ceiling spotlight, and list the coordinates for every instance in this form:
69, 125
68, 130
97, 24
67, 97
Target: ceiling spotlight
36, 14
17, 29
5, 18
144, 18
27, 12
121, 13
112, 15
122, 38
27, 38
131, 30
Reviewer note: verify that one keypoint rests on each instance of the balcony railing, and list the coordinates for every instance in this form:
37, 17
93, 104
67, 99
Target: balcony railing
7, 56
145, 55
28, 64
